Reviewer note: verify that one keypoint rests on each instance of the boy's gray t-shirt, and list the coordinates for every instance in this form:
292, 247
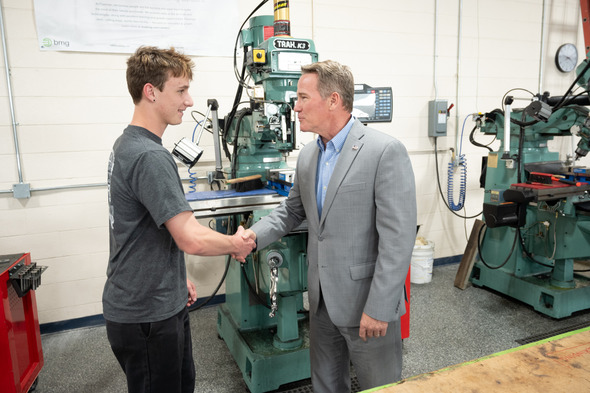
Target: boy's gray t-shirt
146, 274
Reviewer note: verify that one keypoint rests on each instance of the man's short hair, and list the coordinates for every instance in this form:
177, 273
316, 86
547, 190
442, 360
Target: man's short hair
153, 65
333, 77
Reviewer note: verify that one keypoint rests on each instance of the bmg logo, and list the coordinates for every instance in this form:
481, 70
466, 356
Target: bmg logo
50, 42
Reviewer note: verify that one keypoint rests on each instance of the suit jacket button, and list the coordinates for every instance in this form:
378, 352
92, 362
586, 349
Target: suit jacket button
320, 238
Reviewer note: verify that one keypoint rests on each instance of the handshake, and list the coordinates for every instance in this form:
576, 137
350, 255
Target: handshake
243, 241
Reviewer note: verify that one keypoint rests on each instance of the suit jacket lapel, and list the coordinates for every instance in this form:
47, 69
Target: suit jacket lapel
350, 149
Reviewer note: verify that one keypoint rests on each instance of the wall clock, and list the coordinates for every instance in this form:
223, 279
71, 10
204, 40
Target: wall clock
566, 57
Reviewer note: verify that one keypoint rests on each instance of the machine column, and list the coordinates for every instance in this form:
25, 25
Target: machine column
287, 336
563, 273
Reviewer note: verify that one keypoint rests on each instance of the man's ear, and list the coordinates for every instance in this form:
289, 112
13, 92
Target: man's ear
334, 100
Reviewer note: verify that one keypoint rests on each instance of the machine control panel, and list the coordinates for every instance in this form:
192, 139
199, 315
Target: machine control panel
372, 104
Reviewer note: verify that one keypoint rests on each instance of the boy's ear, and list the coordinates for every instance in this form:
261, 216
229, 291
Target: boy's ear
149, 92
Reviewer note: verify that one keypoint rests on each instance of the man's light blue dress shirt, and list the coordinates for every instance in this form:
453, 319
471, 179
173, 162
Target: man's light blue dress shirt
327, 159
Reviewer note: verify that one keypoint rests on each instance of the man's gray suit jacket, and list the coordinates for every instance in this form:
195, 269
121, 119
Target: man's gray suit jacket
359, 250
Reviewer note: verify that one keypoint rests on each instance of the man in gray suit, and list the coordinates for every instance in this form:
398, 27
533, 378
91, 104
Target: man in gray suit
355, 187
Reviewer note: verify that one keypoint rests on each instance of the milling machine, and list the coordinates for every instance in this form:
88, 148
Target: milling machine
536, 207
263, 321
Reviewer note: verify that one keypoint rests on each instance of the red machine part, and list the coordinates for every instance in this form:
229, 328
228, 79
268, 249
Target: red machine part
21, 354
405, 319
585, 8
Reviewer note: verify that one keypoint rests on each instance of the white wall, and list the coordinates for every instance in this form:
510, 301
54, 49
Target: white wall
70, 107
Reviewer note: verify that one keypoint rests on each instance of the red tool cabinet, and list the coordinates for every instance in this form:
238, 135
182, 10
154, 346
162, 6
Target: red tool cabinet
21, 355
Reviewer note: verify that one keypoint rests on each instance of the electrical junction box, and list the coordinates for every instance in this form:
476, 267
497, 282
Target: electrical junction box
437, 118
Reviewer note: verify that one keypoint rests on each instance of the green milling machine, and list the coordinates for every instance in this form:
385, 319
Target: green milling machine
535, 243
264, 320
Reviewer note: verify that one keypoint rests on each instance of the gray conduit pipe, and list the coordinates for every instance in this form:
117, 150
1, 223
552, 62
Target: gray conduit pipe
11, 103
542, 54
457, 87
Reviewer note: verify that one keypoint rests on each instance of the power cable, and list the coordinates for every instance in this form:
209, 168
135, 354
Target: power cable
480, 244
195, 307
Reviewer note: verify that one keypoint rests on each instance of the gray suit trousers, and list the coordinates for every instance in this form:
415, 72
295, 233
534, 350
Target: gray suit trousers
376, 362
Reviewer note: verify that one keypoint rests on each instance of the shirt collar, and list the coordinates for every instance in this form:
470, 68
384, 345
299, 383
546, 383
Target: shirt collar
131, 129
340, 138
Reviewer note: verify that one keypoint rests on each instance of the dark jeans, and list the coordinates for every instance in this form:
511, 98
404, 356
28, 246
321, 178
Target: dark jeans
156, 357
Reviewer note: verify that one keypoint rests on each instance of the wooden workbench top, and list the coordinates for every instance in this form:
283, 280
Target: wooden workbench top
557, 364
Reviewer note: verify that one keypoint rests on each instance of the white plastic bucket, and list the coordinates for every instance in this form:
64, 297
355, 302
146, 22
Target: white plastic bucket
421, 264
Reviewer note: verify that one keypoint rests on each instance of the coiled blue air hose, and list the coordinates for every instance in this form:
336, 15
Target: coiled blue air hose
463, 185
462, 163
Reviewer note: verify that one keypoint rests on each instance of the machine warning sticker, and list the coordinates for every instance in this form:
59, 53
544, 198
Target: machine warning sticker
291, 44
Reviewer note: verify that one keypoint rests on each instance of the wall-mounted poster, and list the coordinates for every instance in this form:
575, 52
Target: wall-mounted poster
195, 27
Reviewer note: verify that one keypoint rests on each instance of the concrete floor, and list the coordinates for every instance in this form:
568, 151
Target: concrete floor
447, 326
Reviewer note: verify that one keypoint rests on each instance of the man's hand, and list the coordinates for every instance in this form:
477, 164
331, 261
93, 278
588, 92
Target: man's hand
372, 328
249, 234
243, 244
192, 293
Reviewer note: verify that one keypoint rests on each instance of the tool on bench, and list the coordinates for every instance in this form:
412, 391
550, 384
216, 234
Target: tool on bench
246, 183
